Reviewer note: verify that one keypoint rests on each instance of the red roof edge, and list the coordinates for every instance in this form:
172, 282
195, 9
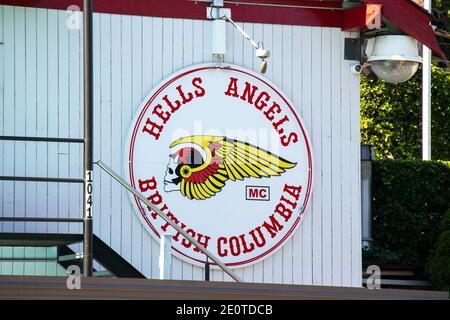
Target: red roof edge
411, 20
359, 17
286, 12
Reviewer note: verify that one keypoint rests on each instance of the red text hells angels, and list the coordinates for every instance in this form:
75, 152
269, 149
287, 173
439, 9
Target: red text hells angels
248, 92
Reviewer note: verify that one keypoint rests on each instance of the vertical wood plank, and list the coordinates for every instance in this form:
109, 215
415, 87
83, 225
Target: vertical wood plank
147, 76
63, 118
178, 37
207, 55
167, 47
346, 169
229, 56
53, 114
297, 99
248, 52
336, 205
42, 114
8, 103
136, 97
81, 122
178, 63
187, 42
30, 115
326, 126
96, 196
356, 251
238, 46
307, 118
356, 180
19, 119
197, 42
126, 107
106, 142
157, 59
317, 149
258, 33
75, 121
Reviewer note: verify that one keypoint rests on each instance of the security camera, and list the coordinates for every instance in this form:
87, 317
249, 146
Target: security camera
356, 68
393, 58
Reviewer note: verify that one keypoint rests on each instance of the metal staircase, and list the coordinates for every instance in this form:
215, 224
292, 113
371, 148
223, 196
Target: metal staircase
18, 248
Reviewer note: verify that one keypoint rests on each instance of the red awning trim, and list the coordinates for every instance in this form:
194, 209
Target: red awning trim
306, 3
358, 18
315, 13
411, 20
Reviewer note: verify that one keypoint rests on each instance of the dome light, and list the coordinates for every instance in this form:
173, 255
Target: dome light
393, 58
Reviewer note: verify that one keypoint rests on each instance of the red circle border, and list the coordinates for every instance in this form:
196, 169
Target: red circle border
305, 136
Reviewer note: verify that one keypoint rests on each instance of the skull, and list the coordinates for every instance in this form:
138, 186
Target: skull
172, 179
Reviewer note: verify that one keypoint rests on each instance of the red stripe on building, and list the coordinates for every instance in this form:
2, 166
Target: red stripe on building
408, 17
185, 9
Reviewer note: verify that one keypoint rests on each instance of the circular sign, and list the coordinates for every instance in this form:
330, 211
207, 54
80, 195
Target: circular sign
221, 151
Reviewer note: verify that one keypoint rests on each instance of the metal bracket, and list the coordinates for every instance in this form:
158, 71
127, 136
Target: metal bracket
214, 13
217, 3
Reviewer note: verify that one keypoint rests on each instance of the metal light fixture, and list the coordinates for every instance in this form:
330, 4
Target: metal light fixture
393, 58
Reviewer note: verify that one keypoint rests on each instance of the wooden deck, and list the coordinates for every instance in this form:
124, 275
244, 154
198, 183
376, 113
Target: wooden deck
36, 288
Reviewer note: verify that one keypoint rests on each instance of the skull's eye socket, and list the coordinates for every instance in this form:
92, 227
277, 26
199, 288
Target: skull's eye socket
170, 171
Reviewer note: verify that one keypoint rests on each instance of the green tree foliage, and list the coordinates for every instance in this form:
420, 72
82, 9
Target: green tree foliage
409, 199
391, 116
438, 266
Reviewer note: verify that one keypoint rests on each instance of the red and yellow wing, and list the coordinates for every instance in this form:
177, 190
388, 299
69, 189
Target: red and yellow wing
228, 160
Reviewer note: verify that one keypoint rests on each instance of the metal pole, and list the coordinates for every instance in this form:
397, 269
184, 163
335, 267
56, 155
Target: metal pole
165, 257
367, 155
88, 134
207, 269
141, 197
245, 34
426, 96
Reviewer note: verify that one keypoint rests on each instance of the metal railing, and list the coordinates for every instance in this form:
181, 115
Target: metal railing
40, 179
38, 219
141, 197
41, 139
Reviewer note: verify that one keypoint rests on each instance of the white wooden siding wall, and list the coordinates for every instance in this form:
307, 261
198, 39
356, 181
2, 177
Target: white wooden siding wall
42, 95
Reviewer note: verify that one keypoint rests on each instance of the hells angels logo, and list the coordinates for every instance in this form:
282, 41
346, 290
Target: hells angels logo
200, 165
222, 152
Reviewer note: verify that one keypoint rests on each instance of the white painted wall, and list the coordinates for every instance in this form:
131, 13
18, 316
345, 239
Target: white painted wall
40, 77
